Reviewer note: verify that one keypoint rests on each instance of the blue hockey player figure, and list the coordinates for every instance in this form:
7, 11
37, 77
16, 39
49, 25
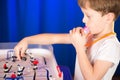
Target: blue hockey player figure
20, 70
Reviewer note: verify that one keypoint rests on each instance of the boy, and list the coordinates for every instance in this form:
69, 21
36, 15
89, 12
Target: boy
98, 52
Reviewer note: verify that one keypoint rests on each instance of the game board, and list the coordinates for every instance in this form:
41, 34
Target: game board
37, 64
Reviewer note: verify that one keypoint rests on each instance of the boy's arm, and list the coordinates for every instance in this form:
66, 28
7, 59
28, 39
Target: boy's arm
21, 47
49, 39
89, 71
92, 72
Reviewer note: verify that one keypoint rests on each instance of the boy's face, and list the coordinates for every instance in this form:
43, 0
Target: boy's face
93, 20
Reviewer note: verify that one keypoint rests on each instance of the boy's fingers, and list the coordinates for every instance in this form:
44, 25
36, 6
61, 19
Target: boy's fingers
23, 52
17, 52
82, 32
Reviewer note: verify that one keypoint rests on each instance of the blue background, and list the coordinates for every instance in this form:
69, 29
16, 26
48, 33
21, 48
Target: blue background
21, 18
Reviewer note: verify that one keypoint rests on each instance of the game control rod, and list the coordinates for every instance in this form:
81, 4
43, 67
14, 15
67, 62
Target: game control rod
34, 75
10, 68
47, 74
45, 62
4, 76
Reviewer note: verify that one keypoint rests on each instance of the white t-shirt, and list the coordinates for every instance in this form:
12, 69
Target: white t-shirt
107, 49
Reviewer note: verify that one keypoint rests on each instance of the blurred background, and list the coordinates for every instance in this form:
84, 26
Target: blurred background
22, 18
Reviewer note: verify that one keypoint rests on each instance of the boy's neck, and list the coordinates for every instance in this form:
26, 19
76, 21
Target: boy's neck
107, 30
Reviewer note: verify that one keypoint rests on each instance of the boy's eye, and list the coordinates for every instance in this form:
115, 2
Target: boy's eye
88, 16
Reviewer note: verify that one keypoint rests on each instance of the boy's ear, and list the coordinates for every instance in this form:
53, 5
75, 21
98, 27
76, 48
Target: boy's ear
110, 17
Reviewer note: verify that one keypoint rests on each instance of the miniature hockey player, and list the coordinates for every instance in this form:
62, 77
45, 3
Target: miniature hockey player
24, 58
13, 75
35, 63
31, 60
59, 71
14, 58
29, 54
5, 66
20, 70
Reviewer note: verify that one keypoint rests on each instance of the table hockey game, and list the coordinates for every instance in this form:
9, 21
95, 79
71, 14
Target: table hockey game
38, 63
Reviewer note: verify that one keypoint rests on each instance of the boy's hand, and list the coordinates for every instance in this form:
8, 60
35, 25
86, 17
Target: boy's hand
20, 48
78, 37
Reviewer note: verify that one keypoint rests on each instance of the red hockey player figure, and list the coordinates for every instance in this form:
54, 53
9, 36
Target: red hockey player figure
35, 63
59, 71
13, 75
5, 66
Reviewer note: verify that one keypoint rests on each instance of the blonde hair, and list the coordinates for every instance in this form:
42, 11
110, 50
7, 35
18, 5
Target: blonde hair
104, 6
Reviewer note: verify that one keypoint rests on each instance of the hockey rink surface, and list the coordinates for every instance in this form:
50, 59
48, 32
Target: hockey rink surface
44, 69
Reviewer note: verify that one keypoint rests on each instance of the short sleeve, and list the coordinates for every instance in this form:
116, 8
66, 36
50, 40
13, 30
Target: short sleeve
109, 51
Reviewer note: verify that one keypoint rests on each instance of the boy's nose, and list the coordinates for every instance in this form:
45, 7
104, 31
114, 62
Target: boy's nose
84, 20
